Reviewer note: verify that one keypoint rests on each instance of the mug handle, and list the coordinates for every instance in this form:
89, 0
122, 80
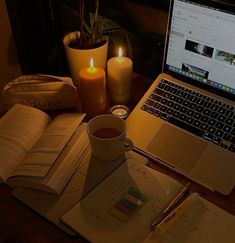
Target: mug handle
128, 144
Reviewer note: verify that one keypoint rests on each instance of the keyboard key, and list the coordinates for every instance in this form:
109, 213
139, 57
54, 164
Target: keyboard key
196, 123
163, 108
211, 130
157, 113
190, 112
219, 125
151, 110
199, 109
183, 109
193, 106
227, 128
157, 105
197, 115
222, 110
212, 122
204, 126
229, 113
186, 103
182, 117
219, 133
144, 107
223, 145
231, 148
204, 119
229, 121
169, 111
155, 97
166, 95
214, 115
227, 137
214, 107
165, 116
172, 97
216, 140
177, 106
159, 92
189, 120
176, 114
208, 136
206, 112
207, 104
149, 102
221, 118
170, 103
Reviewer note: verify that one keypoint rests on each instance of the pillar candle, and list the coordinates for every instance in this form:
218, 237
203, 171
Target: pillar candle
119, 78
92, 90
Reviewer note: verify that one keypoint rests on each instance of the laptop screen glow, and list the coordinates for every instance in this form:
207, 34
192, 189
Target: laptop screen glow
201, 44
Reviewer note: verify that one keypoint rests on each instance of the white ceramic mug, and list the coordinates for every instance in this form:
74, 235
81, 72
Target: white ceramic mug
107, 137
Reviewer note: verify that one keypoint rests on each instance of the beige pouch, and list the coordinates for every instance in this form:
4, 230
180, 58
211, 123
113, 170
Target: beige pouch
41, 91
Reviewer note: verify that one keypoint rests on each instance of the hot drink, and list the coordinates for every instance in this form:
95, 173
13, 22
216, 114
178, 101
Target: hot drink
107, 132
107, 137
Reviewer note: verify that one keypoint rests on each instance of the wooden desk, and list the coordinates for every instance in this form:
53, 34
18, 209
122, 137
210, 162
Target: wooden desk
19, 224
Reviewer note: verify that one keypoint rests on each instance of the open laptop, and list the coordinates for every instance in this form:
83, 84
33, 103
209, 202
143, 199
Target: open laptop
186, 120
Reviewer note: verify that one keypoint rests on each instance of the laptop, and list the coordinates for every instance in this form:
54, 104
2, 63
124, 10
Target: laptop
186, 119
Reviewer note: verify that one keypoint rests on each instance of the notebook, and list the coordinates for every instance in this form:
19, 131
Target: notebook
185, 120
124, 205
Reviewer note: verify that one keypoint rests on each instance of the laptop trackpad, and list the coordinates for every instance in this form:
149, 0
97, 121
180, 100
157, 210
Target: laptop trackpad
177, 147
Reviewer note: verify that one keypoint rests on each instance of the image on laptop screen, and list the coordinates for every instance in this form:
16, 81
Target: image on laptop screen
201, 46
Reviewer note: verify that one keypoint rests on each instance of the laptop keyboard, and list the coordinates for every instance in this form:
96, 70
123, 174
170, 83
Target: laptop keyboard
201, 115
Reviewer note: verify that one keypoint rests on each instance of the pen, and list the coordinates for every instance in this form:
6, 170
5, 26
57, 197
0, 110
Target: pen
175, 214
168, 208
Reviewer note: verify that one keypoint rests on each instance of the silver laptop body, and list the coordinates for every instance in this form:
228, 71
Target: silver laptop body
195, 136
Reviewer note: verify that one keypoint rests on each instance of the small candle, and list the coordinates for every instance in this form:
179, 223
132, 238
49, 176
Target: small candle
92, 90
120, 110
119, 78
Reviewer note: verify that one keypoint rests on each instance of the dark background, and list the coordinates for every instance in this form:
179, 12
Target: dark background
39, 26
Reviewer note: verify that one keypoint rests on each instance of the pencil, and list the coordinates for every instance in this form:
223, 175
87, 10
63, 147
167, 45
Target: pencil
171, 205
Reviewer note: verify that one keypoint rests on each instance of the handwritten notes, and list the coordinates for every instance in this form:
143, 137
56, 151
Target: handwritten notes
203, 222
91, 216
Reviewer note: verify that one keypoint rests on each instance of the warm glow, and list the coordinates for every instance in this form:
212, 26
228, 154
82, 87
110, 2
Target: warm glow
120, 52
91, 67
91, 63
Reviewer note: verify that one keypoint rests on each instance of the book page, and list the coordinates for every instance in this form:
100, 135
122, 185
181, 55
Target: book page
20, 128
49, 146
92, 216
203, 222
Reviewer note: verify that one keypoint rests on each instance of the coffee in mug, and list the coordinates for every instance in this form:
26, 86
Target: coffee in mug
107, 132
107, 137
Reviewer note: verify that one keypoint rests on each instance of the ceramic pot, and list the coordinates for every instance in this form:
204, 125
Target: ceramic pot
78, 59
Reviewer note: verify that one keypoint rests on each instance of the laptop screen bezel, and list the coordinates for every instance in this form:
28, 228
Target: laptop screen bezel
214, 4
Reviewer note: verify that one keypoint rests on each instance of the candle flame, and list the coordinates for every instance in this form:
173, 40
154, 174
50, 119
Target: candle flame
91, 63
120, 52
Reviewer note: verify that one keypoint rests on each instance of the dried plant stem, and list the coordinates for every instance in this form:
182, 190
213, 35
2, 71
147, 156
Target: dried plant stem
81, 16
95, 24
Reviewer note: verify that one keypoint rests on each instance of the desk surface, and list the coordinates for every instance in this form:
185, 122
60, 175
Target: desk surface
20, 224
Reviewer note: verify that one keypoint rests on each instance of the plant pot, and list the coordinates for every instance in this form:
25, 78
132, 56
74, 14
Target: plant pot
78, 59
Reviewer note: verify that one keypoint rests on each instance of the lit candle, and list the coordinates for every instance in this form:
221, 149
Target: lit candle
92, 90
119, 78
120, 110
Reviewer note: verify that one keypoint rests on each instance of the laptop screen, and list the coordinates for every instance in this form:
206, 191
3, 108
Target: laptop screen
200, 44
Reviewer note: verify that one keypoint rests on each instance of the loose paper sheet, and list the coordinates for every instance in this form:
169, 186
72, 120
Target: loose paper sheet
203, 222
92, 218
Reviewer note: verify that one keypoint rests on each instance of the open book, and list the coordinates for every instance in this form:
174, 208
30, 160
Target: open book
104, 215
39, 152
